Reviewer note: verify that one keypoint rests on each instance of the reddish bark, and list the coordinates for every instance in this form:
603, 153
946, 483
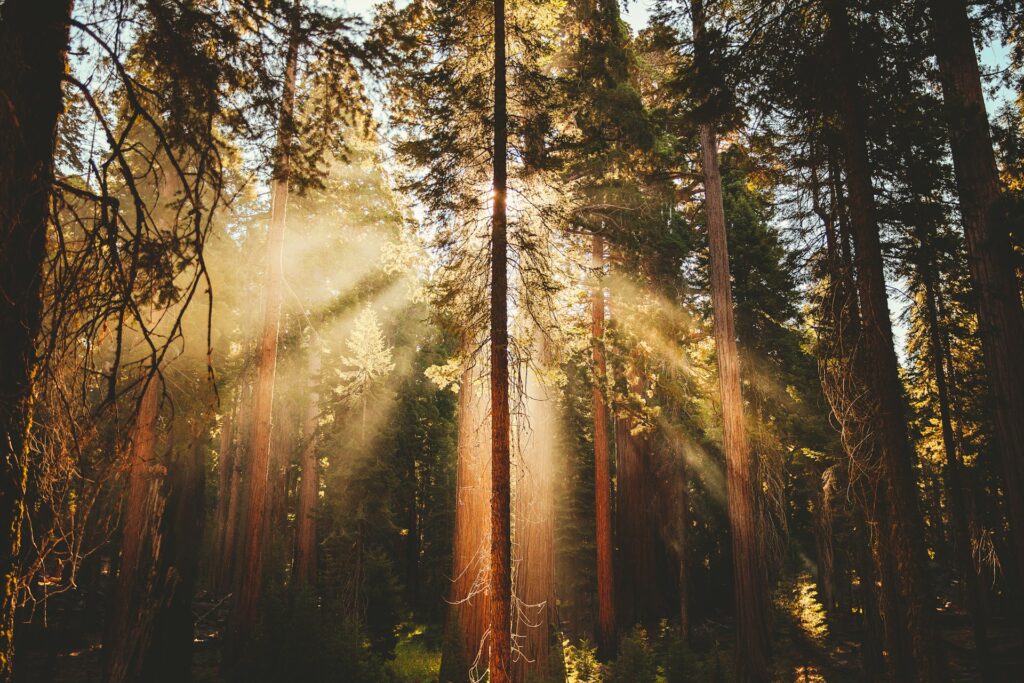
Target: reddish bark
748, 567
639, 600
534, 591
257, 500
470, 608
309, 485
129, 626
500, 651
606, 634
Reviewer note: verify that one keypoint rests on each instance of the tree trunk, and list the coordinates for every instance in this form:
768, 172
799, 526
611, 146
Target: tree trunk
954, 476
823, 535
309, 485
606, 636
534, 544
752, 648
748, 567
169, 656
282, 439
129, 627
233, 513
871, 655
150, 631
1000, 315
469, 611
253, 540
226, 455
33, 50
903, 536
637, 572
500, 655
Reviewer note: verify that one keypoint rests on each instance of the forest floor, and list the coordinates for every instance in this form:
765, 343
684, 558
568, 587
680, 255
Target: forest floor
805, 651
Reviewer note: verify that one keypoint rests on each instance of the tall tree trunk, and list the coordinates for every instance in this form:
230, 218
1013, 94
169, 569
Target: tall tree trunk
282, 439
871, 655
953, 471
225, 464
637, 570
169, 656
748, 567
33, 52
309, 485
682, 539
253, 541
129, 627
469, 605
606, 636
903, 536
229, 541
500, 655
752, 649
534, 532
823, 537
1000, 315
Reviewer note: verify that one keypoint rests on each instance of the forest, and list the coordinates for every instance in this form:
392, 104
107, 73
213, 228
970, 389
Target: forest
517, 341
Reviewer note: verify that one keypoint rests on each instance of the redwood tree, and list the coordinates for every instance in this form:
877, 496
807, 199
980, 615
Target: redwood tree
33, 54
752, 649
258, 494
500, 653
1000, 315
309, 485
902, 540
602, 468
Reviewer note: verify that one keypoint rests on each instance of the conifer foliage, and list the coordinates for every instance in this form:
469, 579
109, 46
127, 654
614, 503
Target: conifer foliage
511, 340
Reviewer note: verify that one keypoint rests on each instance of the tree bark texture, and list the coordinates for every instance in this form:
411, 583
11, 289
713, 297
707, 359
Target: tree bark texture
1000, 315
33, 55
748, 567
469, 609
129, 627
309, 484
903, 532
606, 633
246, 604
637, 523
534, 533
500, 651
752, 648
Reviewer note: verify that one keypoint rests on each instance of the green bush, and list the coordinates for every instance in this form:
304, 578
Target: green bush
637, 661
581, 665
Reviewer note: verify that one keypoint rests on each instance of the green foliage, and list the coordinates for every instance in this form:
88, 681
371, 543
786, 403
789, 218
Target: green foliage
416, 660
637, 661
581, 665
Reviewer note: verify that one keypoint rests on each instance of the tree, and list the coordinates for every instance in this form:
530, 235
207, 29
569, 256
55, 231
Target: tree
602, 476
748, 563
33, 44
500, 646
254, 528
309, 485
904, 537
1000, 313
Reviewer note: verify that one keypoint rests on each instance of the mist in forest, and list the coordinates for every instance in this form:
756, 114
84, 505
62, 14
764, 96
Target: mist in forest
524, 340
